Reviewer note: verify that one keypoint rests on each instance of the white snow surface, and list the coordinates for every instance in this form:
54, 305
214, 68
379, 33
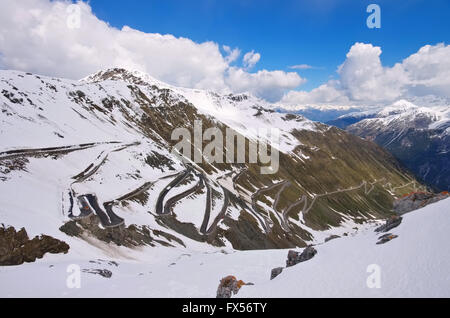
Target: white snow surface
416, 264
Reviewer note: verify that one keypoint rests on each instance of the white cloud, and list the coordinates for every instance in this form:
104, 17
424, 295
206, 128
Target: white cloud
250, 59
324, 94
35, 36
233, 54
268, 85
301, 67
428, 71
363, 80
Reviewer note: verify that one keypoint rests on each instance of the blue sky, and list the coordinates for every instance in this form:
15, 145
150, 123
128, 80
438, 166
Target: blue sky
289, 32
181, 42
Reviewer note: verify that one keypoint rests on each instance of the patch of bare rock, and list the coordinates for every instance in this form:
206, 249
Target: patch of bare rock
17, 248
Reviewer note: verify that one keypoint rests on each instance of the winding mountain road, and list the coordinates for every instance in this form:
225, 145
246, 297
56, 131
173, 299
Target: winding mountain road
160, 201
172, 201
17, 153
223, 211
99, 161
207, 215
89, 202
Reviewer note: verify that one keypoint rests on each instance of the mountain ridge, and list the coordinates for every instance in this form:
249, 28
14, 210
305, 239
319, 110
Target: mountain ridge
418, 137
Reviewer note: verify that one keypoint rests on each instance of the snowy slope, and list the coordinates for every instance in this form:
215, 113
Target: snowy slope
108, 136
235, 111
416, 264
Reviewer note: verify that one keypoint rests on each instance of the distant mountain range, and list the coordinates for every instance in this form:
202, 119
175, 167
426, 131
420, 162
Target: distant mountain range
419, 137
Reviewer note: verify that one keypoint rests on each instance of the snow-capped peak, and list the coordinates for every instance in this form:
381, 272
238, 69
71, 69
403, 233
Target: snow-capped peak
398, 107
132, 76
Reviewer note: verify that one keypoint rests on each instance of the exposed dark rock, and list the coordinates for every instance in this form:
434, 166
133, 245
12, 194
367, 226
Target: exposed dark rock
417, 200
295, 257
13, 164
156, 160
390, 224
101, 261
130, 236
332, 237
229, 286
386, 238
71, 229
102, 272
275, 272
16, 248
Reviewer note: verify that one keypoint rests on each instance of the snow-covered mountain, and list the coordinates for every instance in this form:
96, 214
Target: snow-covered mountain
414, 264
418, 136
90, 163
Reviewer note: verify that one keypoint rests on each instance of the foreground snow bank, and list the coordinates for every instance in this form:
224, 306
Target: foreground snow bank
416, 264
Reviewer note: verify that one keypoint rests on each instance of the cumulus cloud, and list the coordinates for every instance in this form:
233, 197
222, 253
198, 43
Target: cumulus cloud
325, 94
250, 59
268, 85
428, 71
233, 54
362, 79
43, 36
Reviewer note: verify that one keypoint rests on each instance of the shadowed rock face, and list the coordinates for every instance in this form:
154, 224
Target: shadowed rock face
417, 200
275, 272
390, 224
130, 236
386, 238
295, 258
102, 272
16, 248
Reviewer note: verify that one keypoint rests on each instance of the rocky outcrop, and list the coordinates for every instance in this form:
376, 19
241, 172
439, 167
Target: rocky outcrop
331, 237
229, 286
417, 200
130, 236
16, 248
386, 238
275, 272
295, 258
102, 272
390, 224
